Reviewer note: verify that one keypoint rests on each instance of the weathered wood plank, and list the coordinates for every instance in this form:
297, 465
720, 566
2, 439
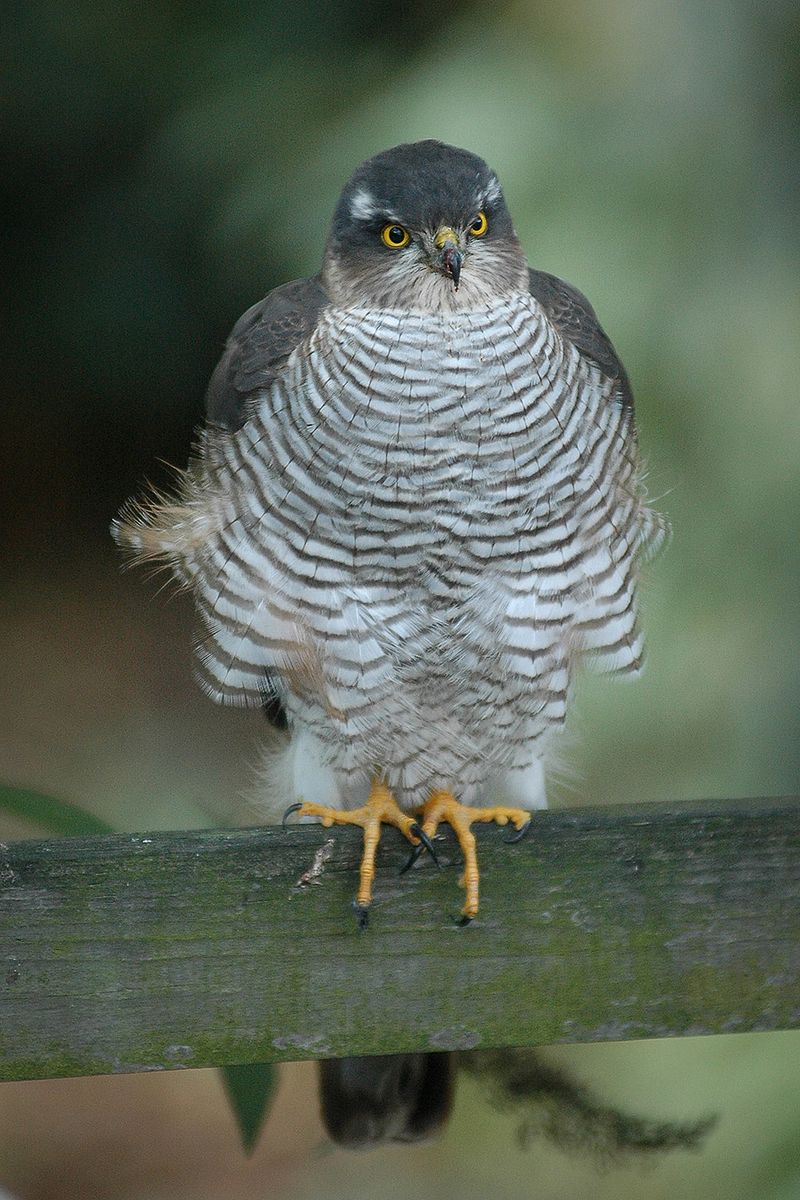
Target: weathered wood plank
129, 953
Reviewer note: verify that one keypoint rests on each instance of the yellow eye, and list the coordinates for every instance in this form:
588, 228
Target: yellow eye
395, 237
479, 225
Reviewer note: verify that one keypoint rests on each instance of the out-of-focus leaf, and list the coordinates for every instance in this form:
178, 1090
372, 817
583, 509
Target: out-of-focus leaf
250, 1088
57, 816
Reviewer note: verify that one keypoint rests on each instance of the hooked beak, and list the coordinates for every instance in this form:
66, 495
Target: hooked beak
450, 256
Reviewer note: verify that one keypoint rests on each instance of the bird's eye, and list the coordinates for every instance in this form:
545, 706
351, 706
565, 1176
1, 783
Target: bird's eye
479, 225
395, 237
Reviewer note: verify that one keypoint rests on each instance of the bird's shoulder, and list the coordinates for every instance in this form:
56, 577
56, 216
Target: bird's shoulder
258, 347
575, 319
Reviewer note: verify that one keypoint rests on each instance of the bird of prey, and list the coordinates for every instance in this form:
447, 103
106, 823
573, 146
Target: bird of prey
416, 508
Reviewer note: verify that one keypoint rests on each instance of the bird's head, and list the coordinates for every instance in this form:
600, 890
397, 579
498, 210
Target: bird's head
423, 226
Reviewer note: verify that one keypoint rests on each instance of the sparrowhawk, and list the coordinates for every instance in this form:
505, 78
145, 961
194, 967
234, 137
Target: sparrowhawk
415, 509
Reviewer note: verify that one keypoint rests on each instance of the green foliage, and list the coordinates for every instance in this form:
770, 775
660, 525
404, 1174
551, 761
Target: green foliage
250, 1088
57, 816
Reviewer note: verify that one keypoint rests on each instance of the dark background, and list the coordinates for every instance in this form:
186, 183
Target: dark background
167, 164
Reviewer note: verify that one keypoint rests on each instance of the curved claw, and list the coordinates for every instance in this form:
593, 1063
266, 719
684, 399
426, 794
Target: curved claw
463, 920
425, 841
293, 808
412, 858
518, 835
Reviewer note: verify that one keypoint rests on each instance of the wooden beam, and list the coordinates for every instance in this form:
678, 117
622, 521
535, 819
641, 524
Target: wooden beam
129, 953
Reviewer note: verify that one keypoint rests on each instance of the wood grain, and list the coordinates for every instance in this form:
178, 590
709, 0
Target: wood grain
129, 953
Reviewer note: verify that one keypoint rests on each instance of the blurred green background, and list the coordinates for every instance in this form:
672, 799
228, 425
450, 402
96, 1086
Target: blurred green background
165, 165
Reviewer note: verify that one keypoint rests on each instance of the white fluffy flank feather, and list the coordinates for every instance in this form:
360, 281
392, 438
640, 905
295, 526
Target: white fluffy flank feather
172, 529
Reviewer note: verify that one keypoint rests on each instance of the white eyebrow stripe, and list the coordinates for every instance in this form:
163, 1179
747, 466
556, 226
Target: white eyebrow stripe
492, 191
363, 206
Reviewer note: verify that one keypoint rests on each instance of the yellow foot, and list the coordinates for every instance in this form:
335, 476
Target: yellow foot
443, 806
380, 808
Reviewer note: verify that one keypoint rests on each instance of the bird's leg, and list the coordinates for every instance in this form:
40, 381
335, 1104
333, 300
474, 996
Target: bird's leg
381, 807
443, 806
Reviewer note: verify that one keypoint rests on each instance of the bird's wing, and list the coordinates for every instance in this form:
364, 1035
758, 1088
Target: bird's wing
259, 345
575, 319
606, 617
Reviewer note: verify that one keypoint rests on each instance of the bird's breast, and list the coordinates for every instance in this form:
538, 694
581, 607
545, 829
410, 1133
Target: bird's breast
423, 447
408, 475
388, 420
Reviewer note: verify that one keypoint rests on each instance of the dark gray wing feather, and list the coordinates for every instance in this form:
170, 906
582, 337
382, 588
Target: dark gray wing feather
575, 319
258, 347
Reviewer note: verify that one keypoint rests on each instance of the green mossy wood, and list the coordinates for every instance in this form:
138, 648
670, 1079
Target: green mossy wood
130, 953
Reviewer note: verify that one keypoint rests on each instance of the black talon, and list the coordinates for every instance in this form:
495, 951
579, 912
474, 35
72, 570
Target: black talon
463, 920
362, 915
425, 841
412, 858
519, 835
293, 808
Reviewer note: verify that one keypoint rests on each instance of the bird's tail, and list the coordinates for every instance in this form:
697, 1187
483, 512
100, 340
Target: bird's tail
390, 1098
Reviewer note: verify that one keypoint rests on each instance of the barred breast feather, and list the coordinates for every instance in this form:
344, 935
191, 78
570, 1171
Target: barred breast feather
417, 529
